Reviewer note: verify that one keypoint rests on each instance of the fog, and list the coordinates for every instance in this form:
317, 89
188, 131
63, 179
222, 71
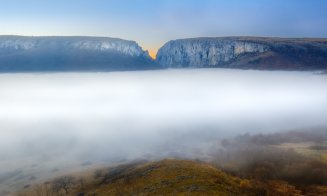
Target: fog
62, 120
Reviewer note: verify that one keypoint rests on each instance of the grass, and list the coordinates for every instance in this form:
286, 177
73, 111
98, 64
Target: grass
288, 164
171, 177
310, 149
167, 177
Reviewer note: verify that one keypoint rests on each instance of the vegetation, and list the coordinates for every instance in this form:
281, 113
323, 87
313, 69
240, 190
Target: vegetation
168, 177
298, 158
247, 165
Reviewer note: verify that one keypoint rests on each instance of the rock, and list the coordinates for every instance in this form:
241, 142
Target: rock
19, 53
245, 53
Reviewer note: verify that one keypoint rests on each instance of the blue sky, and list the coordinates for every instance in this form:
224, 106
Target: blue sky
153, 22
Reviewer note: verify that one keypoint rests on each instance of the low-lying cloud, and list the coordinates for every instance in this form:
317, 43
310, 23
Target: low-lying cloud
64, 119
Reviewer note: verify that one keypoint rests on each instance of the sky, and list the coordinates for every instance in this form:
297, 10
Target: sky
153, 22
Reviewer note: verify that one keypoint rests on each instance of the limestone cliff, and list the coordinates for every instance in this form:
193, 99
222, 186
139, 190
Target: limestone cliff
69, 53
245, 53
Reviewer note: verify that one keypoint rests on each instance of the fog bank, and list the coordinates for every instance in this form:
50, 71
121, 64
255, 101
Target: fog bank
64, 119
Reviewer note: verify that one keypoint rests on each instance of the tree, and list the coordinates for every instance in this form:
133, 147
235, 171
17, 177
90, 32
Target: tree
63, 183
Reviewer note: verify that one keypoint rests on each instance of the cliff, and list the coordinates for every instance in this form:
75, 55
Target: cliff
18, 53
71, 53
245, 53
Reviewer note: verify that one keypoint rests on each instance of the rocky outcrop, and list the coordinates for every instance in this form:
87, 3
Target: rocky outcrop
245, 53
18, 53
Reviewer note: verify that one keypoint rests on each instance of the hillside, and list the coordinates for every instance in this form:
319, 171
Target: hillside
282, 163
71, 53
167, 177
76, 53
245, 53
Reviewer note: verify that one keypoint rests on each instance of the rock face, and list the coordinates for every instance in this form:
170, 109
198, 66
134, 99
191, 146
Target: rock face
245, 53
19, 53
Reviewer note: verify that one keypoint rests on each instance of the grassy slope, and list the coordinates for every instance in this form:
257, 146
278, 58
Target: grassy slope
172, 177
168, 177
288, 164
178, 177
